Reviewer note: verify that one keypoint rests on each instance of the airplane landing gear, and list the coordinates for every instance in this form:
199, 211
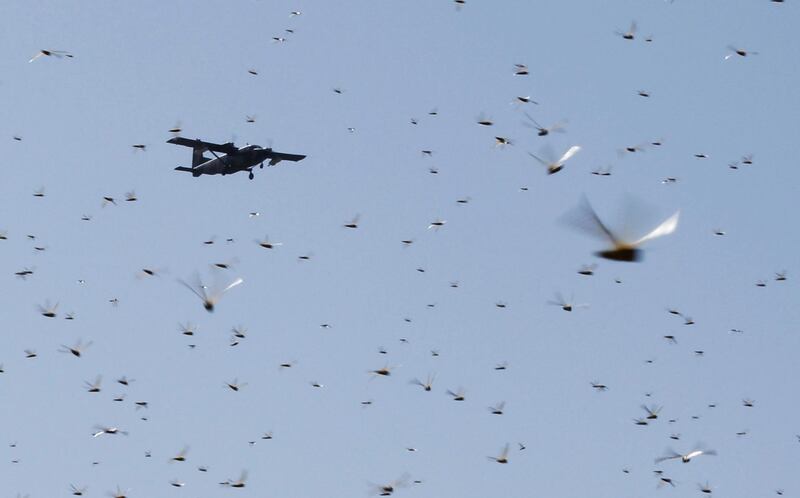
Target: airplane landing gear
261, 166
252, 175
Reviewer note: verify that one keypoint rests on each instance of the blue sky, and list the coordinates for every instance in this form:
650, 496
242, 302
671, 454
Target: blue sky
141, 68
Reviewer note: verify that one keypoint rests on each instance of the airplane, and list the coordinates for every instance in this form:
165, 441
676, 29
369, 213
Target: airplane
233, 160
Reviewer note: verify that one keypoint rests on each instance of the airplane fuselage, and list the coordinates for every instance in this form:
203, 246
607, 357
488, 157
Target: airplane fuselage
244, 160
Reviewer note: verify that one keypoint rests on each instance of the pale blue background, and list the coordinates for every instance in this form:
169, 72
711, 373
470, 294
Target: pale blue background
140, 67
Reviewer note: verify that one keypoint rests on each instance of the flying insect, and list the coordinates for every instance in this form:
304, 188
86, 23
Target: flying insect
586, 219
209, 297
672, 454
554, 166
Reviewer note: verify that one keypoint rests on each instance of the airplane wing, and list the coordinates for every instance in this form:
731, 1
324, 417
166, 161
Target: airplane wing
227, 148
276, 157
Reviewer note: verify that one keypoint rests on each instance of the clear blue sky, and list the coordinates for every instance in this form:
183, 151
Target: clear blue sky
141, 67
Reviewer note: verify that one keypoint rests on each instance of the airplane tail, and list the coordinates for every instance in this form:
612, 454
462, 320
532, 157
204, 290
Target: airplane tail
197, 157
193, 171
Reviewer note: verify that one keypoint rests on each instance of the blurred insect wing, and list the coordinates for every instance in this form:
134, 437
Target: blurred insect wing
665, 228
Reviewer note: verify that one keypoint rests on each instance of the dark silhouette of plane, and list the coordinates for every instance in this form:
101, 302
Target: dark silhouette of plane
233, 160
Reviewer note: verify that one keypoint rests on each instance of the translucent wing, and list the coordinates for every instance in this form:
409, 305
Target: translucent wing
546, 155
543, 162
402, 481
559, 127
665, 228
671, 454
537, 125
584, 218
202, 296
559, 300
504, 453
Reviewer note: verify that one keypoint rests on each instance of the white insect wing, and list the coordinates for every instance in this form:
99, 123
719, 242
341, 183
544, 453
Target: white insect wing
665, 228
232, 285
569, 153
